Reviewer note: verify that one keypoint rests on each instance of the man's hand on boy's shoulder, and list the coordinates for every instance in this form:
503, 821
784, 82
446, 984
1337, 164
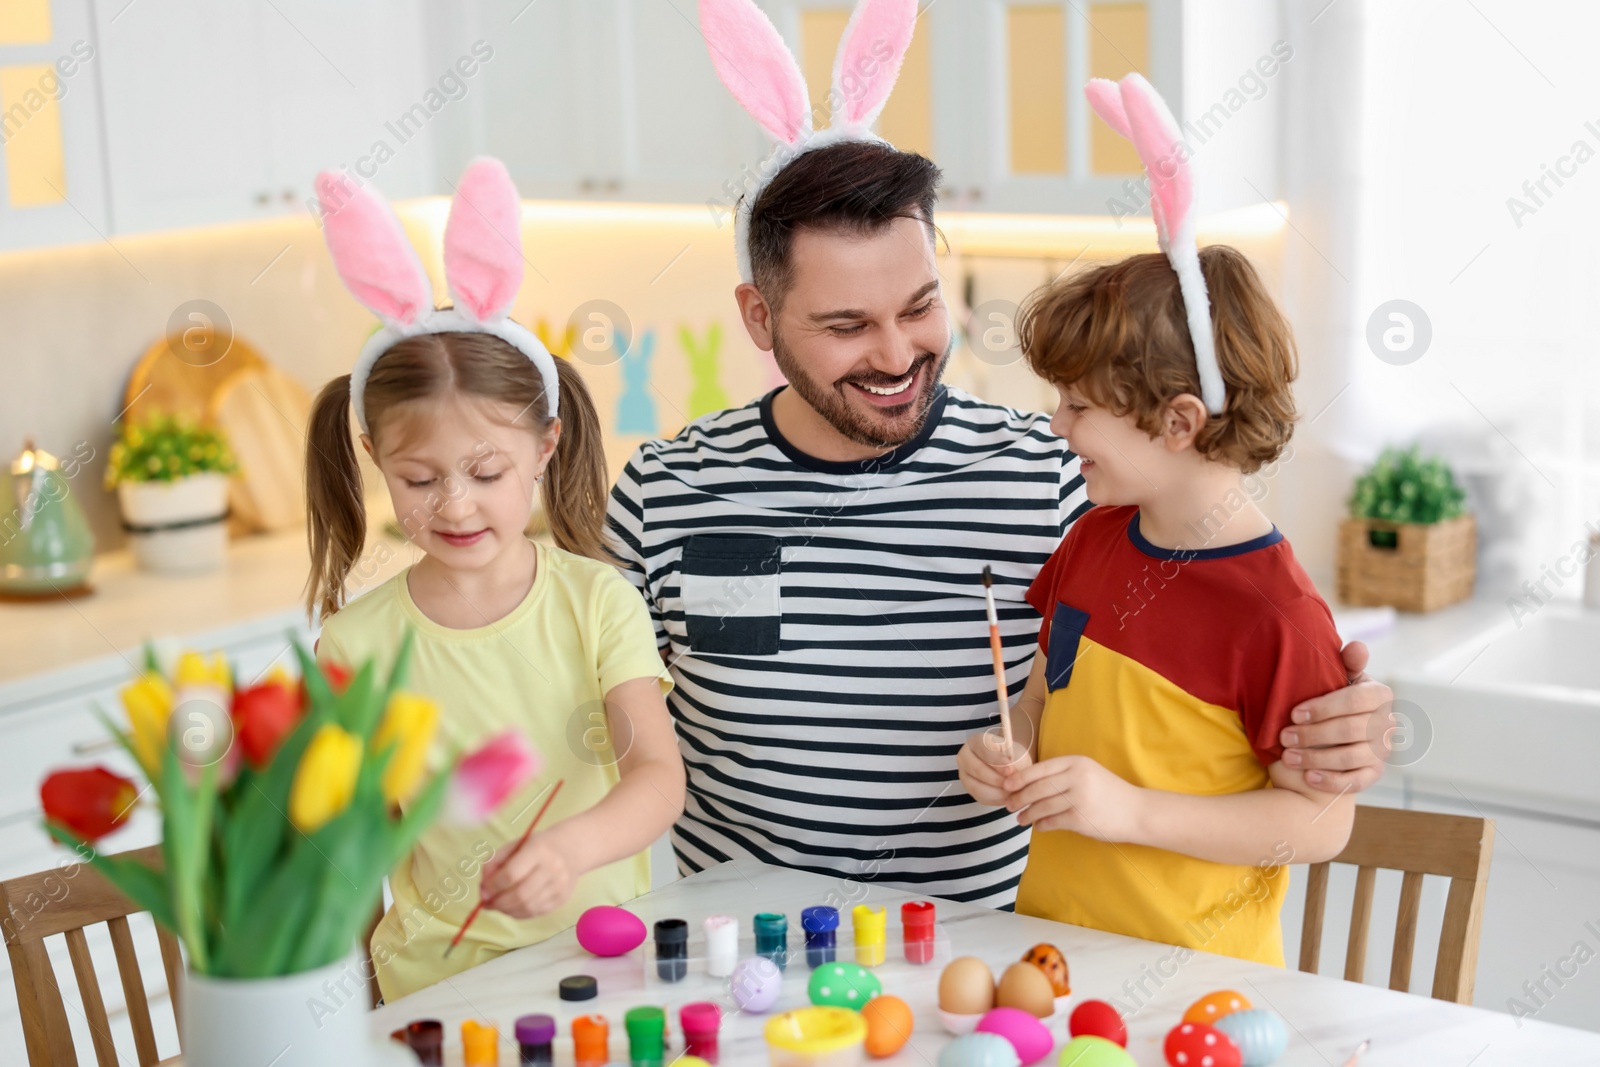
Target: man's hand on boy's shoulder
1341, 739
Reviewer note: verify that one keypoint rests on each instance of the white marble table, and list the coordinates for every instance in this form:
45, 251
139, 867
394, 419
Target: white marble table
1327, 1017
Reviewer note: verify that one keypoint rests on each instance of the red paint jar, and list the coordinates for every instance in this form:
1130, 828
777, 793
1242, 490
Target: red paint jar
916, 926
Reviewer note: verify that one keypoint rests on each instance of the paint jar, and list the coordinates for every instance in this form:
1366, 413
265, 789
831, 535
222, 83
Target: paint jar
701, 1022
772, 938
821, 924
480, 1044
871, 926
647, 1036
916, 930
425, 1039
672, 950
591, 1045
534, 1036
722, 945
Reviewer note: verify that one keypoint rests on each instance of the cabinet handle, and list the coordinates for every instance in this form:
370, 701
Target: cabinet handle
588, 185
89, 748
288, 196
263, 198
614, 185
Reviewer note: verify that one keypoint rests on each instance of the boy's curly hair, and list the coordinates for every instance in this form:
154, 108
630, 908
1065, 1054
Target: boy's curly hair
1118, 333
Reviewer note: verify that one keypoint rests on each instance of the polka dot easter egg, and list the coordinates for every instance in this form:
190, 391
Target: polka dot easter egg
1199, 1045
1213, 1006
1260, 1035
843, 985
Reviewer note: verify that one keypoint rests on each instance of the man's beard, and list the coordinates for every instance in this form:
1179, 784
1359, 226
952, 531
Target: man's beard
829, 400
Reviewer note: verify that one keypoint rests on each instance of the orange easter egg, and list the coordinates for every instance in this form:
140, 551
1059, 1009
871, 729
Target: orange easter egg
888, 1025
1049, 959
1213, 1006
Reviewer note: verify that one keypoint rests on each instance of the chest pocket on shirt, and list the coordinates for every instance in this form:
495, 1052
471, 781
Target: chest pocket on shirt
732, 602
1066, 632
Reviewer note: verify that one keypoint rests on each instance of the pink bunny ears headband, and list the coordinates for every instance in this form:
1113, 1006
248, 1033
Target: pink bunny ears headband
761, 73
482, 265
1134, 109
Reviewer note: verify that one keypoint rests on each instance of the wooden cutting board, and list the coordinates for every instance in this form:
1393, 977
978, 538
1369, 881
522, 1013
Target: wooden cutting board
181, 378
264, 412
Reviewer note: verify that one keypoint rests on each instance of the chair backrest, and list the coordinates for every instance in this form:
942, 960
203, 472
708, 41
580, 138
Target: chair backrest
1418, 843
65, 901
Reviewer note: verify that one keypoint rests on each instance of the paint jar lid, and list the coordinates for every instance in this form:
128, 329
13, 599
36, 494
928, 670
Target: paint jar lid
820, 919
672, 931
701, 1017
771, 921
917, 913
536, 1030
579, 987
423, 1035
647, 1032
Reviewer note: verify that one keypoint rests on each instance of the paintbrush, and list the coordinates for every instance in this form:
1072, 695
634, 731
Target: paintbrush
523, 840
999, 660
1355, 1057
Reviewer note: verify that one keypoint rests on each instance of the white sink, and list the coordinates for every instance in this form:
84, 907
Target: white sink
1516, 710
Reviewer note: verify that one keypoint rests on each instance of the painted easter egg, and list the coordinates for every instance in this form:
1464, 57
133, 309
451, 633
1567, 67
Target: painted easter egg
755, 984
1199, 1045
1213, 1006
843, 985
966, 987
1091, 1051
979, 1050
609, 931
889, 1025
1030, 1037
1260, 1035
1096, 1018
1049, 959
1025, 986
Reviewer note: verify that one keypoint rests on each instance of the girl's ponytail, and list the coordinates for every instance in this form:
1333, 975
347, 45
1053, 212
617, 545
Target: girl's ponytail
336, 514
575, 481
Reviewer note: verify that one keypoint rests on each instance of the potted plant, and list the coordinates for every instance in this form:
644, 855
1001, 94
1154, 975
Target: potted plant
1410, 542
171, 478
283, 806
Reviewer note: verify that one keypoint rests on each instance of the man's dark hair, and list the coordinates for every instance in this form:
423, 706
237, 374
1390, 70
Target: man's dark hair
854, 186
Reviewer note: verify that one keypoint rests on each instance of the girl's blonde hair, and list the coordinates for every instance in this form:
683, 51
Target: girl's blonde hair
430, 366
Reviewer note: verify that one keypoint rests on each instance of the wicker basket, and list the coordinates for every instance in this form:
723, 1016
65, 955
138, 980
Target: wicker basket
1427, 567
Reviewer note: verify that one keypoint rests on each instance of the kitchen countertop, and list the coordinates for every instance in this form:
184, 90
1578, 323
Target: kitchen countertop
1327, 1017
262, 580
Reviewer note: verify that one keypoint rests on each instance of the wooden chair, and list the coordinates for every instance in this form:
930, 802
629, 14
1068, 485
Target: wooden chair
36, 906
1418, 843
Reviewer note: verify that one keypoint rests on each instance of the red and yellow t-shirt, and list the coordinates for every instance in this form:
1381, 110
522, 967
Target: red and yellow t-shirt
1176, 670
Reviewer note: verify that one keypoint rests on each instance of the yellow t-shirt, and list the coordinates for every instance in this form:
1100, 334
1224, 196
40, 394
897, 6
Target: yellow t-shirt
544, 670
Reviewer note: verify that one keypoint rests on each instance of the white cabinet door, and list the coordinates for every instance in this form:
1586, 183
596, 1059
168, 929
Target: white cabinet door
185, 96
349, 88
52, 183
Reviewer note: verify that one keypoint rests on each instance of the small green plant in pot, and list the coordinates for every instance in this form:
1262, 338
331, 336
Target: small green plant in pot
171, 477
1409, 541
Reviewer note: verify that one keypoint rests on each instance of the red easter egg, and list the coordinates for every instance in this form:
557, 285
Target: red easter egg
1096, 1018
1199, 1045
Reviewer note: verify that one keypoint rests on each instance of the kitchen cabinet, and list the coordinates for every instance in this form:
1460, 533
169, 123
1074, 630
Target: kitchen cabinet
226, 111
52, 183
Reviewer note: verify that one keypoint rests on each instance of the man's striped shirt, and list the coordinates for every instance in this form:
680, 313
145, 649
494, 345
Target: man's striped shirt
824, 624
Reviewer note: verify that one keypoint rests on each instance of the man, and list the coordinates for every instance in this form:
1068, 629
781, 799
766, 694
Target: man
812, 560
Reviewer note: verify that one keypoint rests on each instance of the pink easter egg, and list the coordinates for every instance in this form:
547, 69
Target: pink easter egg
608, 931
1030, 1037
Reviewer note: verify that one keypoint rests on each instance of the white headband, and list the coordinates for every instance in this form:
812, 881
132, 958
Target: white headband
762, 74
482, 266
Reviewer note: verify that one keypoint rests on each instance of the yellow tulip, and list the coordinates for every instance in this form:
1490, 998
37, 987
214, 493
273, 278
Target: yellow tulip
148, 702
408, 724
326, 778
194, 670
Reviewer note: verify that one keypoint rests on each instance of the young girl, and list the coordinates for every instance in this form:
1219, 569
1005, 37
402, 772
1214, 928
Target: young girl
467, 415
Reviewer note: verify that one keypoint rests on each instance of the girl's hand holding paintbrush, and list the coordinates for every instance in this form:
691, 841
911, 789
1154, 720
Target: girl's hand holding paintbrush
535, 879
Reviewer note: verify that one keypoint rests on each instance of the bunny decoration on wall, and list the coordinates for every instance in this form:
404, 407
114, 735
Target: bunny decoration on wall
636, 408
706, 393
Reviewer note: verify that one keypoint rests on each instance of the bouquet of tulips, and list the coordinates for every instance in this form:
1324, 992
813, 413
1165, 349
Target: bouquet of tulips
283, 804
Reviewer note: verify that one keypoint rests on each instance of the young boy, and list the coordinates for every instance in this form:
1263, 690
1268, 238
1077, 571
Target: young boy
1178, 632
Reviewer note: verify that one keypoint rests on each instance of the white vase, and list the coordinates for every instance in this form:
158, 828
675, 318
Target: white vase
179, 526
312, 1019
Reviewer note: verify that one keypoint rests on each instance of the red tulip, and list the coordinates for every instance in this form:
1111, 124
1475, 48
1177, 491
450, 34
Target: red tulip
338, 677
263, 715
91, 802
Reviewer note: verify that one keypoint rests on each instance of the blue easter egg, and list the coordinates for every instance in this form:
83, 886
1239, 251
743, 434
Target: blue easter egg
1260, 1035
979, 1050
